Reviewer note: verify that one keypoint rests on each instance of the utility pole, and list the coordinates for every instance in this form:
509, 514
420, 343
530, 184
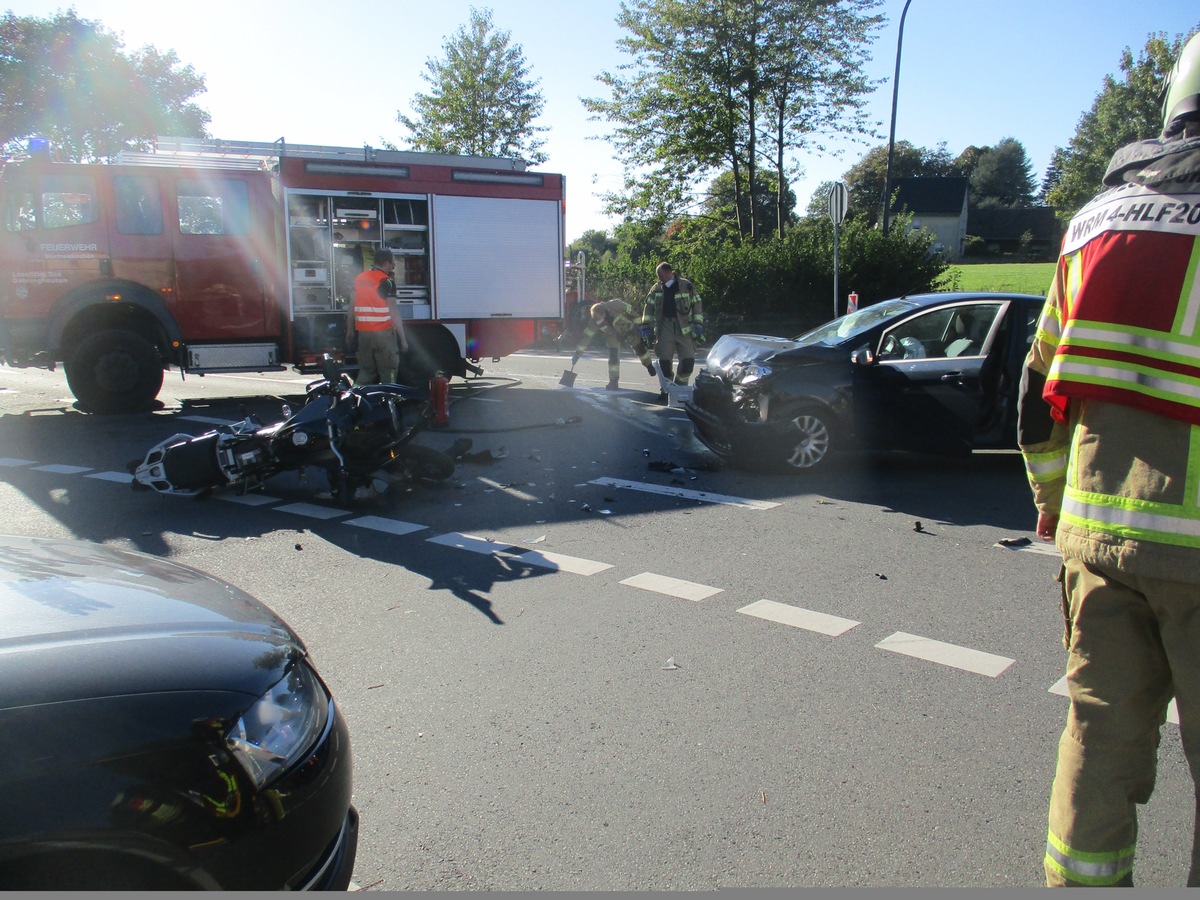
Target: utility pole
887, 179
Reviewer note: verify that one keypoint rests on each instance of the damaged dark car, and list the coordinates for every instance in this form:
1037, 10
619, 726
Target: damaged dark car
929, 373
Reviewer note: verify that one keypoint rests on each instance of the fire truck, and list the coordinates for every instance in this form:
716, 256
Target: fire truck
218, 257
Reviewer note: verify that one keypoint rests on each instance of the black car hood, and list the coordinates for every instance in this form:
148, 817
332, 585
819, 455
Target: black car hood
733, 350
81, 620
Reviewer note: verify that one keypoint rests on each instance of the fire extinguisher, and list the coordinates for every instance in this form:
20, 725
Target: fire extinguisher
439, 392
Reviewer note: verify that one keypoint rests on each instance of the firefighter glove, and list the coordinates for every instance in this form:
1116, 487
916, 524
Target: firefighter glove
697, 331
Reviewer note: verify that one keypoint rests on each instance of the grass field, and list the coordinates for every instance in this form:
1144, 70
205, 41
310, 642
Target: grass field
1019, 278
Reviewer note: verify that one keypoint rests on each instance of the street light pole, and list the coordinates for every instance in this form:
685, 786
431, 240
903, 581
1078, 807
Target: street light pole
887, 179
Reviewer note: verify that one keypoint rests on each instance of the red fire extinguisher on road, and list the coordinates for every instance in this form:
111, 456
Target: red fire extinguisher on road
439, 392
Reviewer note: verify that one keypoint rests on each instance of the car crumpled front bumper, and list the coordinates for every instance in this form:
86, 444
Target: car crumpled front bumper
731, 428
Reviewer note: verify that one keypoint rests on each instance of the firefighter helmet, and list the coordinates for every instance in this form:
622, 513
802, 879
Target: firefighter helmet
1181, 90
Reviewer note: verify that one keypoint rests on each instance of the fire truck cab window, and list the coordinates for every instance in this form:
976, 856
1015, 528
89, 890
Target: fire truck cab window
20, 213
215, 206
139, 207
68, 200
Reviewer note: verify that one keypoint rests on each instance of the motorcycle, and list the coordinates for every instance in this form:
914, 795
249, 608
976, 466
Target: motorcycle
362, 437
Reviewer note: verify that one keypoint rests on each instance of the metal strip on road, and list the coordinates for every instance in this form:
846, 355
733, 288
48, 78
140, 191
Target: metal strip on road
560, 563
702, 496
390, 526
673, 587
798, 617
1060, 687
947, 654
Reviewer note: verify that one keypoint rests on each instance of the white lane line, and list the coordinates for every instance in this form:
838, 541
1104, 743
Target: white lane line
703, 496
9, 463
946, 654
1060, 687
247, 499
672, 587
560, 563
1034, 546
312, 511
56, 469
391, 526
469, 542
798, 617
206, 420
118, 477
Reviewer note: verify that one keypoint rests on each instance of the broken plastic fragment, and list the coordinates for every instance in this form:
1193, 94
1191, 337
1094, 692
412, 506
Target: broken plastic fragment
537, 540
670, 664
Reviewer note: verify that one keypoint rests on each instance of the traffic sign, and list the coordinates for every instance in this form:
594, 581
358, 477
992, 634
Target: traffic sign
839, 198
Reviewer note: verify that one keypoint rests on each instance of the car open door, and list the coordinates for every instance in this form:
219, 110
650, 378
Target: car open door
933, 383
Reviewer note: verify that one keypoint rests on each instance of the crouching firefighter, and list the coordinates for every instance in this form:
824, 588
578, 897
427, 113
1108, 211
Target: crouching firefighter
614, 319
673, 311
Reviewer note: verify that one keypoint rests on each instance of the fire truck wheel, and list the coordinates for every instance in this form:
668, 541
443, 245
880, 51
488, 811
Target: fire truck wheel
114, 372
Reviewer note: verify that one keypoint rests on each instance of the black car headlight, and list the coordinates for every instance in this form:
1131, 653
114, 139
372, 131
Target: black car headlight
281, 727
748, 373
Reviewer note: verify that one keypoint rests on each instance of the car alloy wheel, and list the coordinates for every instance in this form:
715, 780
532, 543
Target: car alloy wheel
810, 441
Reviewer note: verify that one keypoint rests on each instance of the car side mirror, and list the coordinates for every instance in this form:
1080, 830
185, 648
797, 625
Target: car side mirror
862, 357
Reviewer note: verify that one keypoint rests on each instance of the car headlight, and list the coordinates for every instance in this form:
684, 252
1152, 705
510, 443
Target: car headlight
281, 726
748, 373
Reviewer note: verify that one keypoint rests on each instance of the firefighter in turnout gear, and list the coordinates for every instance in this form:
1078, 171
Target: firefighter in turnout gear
1109, 426
674, 312
614, 319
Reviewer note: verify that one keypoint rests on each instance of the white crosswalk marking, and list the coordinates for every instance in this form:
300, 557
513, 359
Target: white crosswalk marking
560, 563
470, 542
62, 470
702, 496
9, 463
312, 511
118, 477
247, 499
391, 526
946, 654
798, 617
673, 587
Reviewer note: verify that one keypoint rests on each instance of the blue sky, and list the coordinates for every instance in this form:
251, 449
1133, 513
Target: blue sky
973, 71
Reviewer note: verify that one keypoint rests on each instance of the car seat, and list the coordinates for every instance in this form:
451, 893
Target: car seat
965, 344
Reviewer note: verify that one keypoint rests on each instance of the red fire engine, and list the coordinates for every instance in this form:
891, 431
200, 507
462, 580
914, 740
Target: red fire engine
215, 256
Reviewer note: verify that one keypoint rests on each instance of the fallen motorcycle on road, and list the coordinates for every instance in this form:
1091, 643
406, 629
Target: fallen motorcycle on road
362, 437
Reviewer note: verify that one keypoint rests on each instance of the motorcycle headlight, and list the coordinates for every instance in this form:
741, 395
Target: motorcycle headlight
283, 725
748, 373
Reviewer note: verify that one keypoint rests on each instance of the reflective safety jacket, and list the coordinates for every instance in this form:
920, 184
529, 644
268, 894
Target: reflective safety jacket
1110, 401
617, 327
688, 308
371, 290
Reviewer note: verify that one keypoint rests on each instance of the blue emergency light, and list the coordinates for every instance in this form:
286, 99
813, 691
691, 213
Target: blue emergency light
39, 146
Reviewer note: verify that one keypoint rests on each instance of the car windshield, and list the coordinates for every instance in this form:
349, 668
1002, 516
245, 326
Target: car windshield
851, 326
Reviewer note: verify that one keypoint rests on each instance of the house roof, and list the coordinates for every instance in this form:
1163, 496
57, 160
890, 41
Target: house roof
930, 196
1009, 224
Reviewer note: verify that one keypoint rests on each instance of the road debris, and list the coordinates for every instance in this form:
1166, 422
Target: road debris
670, 664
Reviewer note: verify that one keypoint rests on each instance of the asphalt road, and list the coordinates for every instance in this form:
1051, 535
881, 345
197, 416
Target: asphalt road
595, 660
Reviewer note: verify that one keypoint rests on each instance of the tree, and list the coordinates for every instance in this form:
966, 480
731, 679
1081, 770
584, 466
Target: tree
718, 85
482, 101
68, 79
1002, 176
1126, 110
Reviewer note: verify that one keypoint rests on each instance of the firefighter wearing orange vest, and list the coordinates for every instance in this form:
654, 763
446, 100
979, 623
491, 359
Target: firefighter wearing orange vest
1110, 430
614, 319
374, 317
